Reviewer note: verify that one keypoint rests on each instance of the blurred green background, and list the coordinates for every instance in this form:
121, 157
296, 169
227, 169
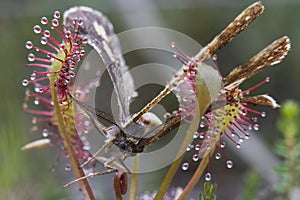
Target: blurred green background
27, 175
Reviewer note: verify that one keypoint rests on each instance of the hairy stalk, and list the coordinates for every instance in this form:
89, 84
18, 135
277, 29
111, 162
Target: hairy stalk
75, 165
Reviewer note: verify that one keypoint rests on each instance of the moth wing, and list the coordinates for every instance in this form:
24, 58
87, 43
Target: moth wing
99, 31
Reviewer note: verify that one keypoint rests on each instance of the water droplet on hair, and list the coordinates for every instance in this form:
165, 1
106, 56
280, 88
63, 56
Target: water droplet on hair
185, 166
196, 135
55, 22
208, 176
80, 22
56, 14
202, 124
31, 57
47, 33
195, 157
38, 90
218, 156
25, 82
202, 135
247, 135
29, 45
238, 145
37, 29
33, 76
189, 147
256, 127
67, 167
229, 164
45, 133
68, 34
36, 101
44, 20
263, 114
197, 147
82, 53
72, 74
84, 40
222, 145
44, 40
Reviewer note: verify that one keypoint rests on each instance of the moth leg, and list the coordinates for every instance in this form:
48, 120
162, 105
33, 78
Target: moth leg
114, 163
103, 147
91, 175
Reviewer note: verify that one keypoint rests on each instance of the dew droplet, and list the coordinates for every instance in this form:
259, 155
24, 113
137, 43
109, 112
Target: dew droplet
195, 157
196, 135
202, 135
45, 132
189, 147
80, 22
55, 22
44, 20
256, 127
56, 14
250, 127
67, 167
36, 101
47, 33
33, 76
247, 135
29, 45
267, 79
197, 147
218, 156
31, 57
25, 82
263, 114
68, 34
37, 29
222, 145
244, 112
238, 145
38, 90
44, 40
207, 176
202, 124
84, 40
185, 166
229, 164
82, 53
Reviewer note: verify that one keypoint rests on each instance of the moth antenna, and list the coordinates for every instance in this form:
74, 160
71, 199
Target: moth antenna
109, 171
95, 154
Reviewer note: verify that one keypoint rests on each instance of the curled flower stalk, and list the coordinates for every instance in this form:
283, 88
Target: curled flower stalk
51, 80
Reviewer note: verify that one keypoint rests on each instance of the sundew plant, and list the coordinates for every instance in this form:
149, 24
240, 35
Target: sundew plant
210, 105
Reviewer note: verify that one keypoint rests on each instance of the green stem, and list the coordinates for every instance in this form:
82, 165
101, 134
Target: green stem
78, 171
134, 178
175, 165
